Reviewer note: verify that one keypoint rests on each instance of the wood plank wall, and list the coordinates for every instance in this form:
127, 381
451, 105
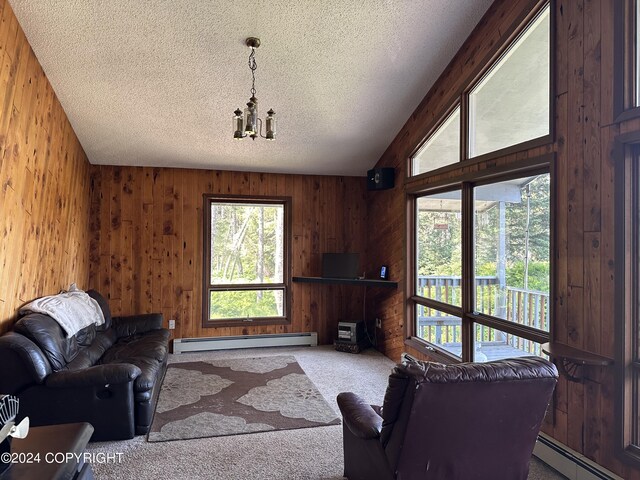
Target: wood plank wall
584, 257
146, 242
44, 182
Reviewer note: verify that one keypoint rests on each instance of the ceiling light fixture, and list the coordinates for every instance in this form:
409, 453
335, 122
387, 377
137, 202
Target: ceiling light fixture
249, 123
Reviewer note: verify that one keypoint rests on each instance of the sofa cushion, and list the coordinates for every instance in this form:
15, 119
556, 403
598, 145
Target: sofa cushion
104, 305
148, 351
90, 356
47, 334
136, 324
153, 344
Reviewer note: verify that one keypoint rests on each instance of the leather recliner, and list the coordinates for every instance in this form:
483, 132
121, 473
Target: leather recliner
449, 422
109, 376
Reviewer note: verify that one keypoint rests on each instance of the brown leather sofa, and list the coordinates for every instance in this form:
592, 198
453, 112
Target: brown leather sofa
449, 422
109, 376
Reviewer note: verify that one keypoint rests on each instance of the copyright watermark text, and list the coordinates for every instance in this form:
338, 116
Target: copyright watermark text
61, 457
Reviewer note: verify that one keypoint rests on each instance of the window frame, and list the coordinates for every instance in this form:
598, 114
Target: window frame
626, 169
466, 183
488, 67
625, 59
448, 113
498, 323
462, 100
487, 167
627, 305
416, 300
285, 286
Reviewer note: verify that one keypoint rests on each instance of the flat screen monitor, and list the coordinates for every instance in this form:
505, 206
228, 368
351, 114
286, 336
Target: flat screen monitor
340, 265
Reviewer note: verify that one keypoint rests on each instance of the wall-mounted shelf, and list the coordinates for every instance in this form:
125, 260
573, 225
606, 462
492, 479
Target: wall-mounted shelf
570, 359
365, 282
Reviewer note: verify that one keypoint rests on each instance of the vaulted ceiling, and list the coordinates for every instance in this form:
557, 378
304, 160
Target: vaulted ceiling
155, 82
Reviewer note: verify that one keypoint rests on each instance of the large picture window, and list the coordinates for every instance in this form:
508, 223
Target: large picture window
246, 277
479, 235
505, 225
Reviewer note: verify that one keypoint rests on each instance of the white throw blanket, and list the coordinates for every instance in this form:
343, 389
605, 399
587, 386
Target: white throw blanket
73, 310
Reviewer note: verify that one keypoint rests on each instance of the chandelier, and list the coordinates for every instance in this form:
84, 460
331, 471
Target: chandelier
249, 123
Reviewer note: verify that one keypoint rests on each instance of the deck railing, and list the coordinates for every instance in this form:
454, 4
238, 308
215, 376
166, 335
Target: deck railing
525, 307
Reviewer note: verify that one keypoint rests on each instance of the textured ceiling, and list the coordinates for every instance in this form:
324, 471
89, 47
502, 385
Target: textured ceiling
155, 82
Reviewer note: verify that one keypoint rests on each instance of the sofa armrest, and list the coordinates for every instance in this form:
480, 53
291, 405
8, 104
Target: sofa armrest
359, 417
133, 324
23, 363
114, 373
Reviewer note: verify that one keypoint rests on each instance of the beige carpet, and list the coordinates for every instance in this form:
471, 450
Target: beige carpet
233, 396
309, 453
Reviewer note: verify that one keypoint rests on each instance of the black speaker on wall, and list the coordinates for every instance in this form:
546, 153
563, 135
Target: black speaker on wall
380, 178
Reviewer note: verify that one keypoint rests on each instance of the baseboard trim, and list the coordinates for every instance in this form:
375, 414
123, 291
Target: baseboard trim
569, 463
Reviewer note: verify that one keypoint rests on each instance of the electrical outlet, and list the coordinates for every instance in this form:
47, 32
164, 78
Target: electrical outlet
378, 323
172, 324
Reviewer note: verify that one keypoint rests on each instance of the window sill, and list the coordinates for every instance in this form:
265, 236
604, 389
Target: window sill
630, 456
436, 354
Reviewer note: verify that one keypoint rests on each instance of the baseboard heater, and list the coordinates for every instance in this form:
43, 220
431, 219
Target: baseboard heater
569, 463
181, 345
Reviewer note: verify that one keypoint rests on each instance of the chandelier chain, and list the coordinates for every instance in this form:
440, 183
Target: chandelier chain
253, 66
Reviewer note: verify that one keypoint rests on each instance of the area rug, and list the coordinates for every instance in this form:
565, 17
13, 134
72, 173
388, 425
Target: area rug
235, 396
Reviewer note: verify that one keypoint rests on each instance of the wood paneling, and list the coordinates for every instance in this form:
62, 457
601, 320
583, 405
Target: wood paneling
44, 182
584, 257
146, 242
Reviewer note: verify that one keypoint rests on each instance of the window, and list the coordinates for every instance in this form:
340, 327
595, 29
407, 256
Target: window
512, 250
512, 247
492, 344
628, 303
479, 240
439, 269
627, 59
506, 229
441, 148
246, 275
627, 187
510, 105
636, 48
